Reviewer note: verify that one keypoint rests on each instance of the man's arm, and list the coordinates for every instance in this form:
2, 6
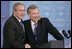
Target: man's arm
53, 31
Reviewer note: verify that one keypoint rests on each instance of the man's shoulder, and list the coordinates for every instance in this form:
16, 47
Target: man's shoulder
44, 19
25, 21
10, 20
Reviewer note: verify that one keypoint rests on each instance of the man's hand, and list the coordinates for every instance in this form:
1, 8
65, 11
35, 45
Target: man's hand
27, 46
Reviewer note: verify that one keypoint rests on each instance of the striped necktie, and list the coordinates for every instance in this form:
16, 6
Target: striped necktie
35, 30
21, 22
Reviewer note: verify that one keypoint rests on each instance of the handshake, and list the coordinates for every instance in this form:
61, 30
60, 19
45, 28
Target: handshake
27, 46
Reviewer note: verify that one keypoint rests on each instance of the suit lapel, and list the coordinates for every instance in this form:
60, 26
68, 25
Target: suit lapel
17, 23
38, 28
30, 28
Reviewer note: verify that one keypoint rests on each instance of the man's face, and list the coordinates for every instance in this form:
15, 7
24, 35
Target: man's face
20, 11
34, 14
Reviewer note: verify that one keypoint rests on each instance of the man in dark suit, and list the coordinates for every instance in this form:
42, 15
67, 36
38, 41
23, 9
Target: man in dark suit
38, 36
13, 33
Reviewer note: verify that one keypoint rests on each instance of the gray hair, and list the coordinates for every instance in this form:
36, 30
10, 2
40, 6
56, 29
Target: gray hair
31, 7
17, 4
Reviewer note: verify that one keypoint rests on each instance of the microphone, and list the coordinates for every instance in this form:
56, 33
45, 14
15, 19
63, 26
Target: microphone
69, 32
65, 34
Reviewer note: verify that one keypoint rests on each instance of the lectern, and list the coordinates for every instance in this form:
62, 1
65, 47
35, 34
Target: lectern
53, 44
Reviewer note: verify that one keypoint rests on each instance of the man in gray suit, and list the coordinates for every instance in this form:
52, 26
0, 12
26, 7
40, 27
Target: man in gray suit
13, 31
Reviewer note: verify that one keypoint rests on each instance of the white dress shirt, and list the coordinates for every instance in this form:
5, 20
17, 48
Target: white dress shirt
32, 25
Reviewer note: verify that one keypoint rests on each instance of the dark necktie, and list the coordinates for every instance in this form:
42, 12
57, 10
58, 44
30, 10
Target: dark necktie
21, 22
35, 30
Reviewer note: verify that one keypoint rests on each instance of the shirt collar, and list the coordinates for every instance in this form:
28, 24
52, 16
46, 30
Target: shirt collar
32, 22
17, 19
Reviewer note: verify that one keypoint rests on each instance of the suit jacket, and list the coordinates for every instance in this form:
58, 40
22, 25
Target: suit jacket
13, 34
44, 27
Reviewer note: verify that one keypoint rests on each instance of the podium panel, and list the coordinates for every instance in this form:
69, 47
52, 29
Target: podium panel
54, 44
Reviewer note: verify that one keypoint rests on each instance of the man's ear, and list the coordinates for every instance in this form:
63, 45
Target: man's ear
14, 11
